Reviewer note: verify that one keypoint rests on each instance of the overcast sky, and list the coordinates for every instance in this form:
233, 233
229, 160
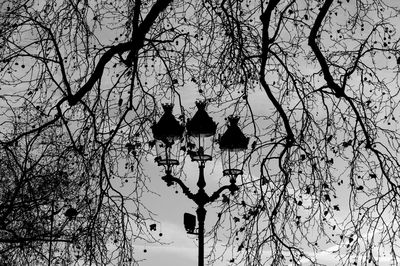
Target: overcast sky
180, 248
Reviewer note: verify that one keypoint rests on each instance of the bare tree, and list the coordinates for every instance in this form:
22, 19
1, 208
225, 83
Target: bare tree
315, 83
71, 135
328, 156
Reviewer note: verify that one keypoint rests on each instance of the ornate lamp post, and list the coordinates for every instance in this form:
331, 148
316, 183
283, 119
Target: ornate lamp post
200, 131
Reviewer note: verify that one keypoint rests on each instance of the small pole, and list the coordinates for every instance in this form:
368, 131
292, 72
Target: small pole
201, 183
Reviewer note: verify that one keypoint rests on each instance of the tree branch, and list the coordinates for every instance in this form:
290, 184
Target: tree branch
132, 46
339, 91
266, 19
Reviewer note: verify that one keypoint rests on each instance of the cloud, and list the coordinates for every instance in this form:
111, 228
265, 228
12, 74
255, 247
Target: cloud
329, 256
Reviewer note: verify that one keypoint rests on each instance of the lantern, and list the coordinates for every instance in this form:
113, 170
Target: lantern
201, 130
233, 145
168, 133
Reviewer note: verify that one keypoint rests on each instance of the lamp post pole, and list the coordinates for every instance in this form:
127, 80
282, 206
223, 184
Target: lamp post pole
168, 132
201, 213
201, 216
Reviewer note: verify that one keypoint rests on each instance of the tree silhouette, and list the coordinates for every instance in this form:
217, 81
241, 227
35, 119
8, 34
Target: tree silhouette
314, 82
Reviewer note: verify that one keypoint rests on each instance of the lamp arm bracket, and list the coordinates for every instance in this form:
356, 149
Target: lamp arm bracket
169, 179
231, 187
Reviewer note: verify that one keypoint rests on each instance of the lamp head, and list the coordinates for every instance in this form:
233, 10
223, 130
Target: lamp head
200, 129
168, 133
233, 144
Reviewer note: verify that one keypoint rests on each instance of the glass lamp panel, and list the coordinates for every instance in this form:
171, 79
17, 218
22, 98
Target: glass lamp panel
168, 152
200, 148
232, 161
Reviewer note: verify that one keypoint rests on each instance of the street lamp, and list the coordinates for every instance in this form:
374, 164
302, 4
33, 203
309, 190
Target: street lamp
200, 131
168, 134
233, 145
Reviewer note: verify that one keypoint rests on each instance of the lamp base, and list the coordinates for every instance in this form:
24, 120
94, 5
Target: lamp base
168, 179
232, 172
